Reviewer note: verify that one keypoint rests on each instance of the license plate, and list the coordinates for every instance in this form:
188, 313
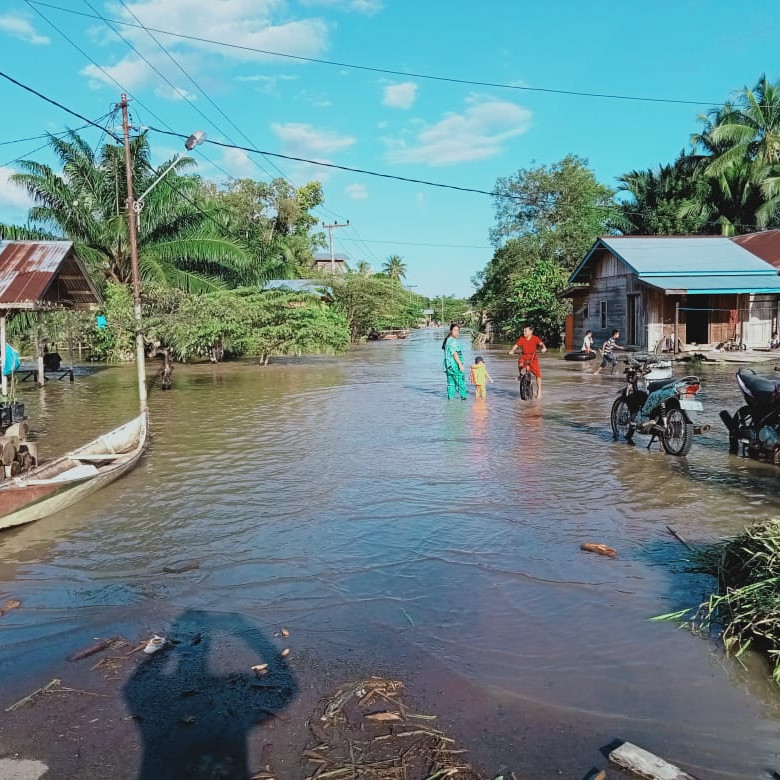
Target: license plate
691, 405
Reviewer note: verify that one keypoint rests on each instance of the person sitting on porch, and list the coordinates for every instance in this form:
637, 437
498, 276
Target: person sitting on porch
774, 342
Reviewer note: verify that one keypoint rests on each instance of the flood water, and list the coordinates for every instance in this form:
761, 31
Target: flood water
347, 498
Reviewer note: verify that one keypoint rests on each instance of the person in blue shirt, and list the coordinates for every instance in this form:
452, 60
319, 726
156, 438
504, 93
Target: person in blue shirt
453, 364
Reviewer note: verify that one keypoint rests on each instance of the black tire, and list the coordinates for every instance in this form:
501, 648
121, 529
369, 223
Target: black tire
677, 437
620, 419
579, 355
526, 386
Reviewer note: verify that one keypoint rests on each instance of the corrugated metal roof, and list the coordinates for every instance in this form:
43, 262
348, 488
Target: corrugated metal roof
297, 285
711, 284
765, 245
43, 275
681, 255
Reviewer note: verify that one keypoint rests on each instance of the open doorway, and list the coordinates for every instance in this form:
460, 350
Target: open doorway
697, 319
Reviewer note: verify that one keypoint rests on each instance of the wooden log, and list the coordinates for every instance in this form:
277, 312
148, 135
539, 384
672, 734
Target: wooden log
601, 549
645, 764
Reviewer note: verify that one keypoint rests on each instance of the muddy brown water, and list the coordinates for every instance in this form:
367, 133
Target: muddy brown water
347, 499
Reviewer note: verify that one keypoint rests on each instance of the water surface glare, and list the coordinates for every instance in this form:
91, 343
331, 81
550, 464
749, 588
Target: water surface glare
347, 498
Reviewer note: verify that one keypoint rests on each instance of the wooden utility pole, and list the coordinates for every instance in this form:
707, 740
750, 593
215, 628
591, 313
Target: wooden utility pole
140, 348
330, 231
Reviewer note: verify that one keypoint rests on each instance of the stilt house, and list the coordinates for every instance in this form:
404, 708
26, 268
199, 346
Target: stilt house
665, 292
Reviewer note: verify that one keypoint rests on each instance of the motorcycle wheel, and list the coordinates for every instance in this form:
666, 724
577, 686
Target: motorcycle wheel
742, 419
620, 417
677, 437
526, 386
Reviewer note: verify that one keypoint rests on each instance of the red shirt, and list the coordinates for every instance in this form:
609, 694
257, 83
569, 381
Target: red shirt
528, 347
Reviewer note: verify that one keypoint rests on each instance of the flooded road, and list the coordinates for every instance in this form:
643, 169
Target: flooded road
346, 498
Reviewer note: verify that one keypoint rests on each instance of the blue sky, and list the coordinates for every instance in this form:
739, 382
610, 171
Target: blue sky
456, 134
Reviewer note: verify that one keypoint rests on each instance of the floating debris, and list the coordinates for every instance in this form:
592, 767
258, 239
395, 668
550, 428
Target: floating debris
9, 605
154, 644
260, 669
601, 549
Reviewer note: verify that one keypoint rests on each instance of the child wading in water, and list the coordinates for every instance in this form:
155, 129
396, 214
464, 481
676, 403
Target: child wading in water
479, 376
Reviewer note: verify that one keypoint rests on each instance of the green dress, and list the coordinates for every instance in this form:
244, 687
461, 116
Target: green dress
456, 379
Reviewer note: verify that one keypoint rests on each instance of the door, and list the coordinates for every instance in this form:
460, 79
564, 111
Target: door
697, 319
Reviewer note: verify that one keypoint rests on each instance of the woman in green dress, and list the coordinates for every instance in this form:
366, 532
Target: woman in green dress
453, 364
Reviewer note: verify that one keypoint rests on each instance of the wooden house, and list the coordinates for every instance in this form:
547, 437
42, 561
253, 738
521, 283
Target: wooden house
663, 292
323, 263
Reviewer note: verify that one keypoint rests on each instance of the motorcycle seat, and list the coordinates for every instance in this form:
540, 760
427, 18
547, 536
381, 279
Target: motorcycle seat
657, 384
759, 387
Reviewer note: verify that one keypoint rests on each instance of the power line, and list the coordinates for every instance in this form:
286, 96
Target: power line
390, 72
440, 185
111, 78
207, 97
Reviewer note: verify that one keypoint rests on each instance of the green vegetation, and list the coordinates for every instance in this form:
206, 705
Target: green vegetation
747, 604
546, 218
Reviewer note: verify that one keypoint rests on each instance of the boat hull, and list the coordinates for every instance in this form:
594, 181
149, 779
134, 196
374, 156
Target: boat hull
46, 490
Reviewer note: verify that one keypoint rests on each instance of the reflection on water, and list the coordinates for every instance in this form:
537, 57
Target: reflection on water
346, 497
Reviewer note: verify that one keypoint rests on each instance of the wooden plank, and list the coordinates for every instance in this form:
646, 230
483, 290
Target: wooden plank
645, 764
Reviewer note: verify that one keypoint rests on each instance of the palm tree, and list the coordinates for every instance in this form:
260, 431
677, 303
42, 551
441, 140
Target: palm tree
664, 201
363, 268
178, 244
742, 146
395, 268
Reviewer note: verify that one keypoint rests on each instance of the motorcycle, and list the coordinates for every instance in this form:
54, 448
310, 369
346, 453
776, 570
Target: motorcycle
756, 426
660, 408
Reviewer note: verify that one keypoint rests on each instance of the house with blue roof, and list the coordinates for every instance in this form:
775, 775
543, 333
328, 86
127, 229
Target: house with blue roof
663, 292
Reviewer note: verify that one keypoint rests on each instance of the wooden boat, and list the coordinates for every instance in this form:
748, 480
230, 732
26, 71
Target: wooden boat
55, 485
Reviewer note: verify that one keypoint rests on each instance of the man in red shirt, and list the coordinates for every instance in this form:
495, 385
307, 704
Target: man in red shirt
529, 344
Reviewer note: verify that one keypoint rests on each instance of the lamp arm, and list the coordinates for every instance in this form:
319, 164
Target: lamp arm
140, 199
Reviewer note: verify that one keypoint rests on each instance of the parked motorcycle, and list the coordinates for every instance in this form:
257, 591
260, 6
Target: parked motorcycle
756, 426
660, 408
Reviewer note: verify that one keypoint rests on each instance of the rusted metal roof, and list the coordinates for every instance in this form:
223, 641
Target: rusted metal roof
41, 275
765, 245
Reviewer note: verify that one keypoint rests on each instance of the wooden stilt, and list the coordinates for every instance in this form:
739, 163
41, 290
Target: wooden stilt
4, 382
39, 341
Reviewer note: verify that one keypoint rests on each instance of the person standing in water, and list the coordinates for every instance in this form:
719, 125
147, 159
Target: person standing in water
479, 377
453, 364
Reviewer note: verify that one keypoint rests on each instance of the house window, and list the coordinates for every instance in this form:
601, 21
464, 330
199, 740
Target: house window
585, 312
603, 314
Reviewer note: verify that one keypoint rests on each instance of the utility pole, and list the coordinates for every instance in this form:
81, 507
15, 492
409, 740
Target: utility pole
330, 231
140, 349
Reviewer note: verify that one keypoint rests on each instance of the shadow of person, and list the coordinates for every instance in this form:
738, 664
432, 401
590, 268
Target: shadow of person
196, 701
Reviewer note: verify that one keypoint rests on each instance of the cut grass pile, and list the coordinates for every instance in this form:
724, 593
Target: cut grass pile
746, 607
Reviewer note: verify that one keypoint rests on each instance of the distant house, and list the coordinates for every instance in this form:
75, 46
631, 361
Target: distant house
660, 291
323, 263
765, 245
313, 286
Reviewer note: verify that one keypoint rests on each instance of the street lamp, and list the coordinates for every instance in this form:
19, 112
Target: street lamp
134, 208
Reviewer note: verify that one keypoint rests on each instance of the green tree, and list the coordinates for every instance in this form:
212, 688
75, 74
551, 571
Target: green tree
363, 268
394, 268
178, 244
274, 220
374, 303
563, 202
665, 201
740, 145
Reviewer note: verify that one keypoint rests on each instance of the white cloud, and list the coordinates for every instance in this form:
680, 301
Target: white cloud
251, 24
237, 163
173, 93
18, 27
11, 194
357, 191
303, 140
367, 7
479, 132
400, 95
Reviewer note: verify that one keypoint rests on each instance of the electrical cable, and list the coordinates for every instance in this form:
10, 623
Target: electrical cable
388, 71
202, 92
252, 150
111, 78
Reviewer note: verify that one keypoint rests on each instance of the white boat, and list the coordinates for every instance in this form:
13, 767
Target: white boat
58, 484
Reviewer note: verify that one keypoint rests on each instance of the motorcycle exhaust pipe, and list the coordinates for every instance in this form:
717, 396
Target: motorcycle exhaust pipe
702, 428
